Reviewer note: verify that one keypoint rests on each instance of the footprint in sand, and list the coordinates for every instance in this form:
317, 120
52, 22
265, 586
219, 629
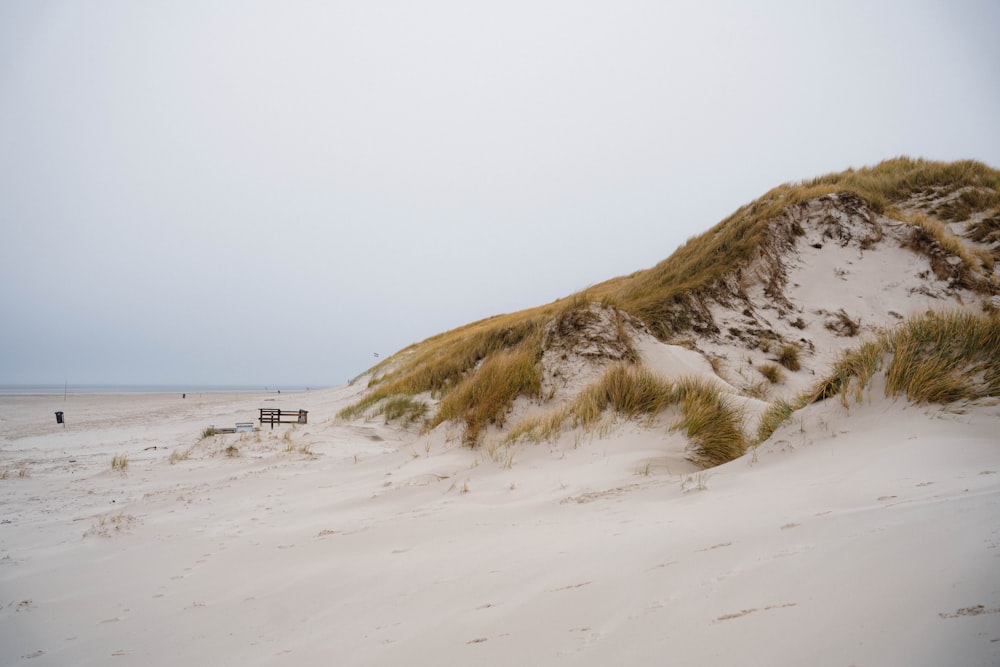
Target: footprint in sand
975, 610
570, 587
746, 612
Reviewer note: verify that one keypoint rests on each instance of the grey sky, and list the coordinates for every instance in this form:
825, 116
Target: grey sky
271, 192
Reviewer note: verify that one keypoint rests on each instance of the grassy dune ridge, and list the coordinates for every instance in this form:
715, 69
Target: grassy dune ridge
473, 374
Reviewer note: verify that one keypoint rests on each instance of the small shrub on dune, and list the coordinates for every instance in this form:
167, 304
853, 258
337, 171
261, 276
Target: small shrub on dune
756, 390
789, 357
772, 372
119, 463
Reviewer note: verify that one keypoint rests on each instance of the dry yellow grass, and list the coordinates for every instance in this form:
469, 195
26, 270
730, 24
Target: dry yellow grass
711, 422
484, 396
933, 358
119, 463
626, 389
775, 415
708, 417
772, 372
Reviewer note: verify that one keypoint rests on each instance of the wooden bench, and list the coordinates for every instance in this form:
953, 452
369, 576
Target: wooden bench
274, 416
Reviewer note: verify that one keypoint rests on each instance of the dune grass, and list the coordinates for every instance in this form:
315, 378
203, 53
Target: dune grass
485, 396
969, 201
708, 417
932, 358
788, 357
976, 266
626, 389
440, 364
772, 372
119, 462
630, 391
403, 408
943, 358
987, 231
776, 414
711, 422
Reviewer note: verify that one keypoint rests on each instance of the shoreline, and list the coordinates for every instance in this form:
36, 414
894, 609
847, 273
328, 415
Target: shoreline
150, 389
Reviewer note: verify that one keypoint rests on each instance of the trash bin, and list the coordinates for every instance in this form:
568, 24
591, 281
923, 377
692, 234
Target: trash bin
59, 418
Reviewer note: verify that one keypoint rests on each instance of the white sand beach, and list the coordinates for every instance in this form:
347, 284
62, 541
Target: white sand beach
865, 536
659, 355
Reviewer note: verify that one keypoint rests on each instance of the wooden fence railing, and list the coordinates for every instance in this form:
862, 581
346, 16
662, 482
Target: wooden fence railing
274, 416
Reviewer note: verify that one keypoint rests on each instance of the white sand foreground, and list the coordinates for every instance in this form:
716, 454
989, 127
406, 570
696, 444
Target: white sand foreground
868, 536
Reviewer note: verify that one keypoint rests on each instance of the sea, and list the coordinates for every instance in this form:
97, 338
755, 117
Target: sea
133, 389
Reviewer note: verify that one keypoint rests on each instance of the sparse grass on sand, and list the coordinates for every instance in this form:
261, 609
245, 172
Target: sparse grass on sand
402, 408
119, 463
179, 455
789, 357
772, 372
932, 358
111, 524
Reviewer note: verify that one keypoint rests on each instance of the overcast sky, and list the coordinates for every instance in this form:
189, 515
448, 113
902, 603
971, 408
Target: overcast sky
272, 192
